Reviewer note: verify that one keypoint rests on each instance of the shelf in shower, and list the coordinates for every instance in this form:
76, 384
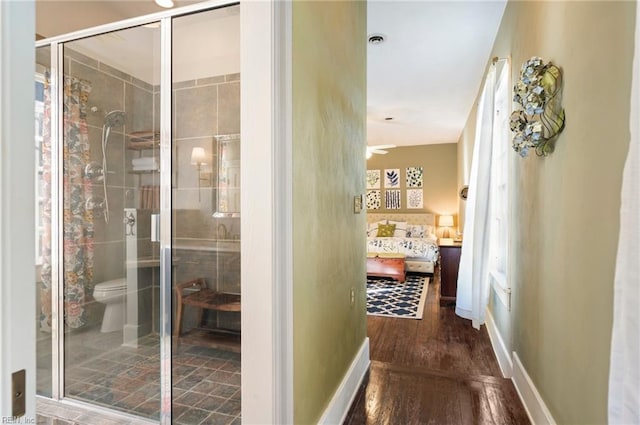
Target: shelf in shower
146, 144
143, 171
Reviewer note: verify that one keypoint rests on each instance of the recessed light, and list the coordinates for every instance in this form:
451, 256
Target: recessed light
164, 3
376, 38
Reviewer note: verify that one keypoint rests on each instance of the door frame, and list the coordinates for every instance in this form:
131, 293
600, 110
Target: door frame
17, 192
266, 198
266, 245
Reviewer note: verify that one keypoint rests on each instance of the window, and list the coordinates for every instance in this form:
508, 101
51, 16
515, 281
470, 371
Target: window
498, 215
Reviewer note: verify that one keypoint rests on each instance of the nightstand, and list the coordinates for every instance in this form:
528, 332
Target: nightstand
449, 263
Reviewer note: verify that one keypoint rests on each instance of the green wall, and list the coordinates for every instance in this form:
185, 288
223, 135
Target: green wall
439, 165
329, 139
565, 216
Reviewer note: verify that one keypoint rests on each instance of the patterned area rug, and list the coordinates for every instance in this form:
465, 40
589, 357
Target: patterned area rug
389, 298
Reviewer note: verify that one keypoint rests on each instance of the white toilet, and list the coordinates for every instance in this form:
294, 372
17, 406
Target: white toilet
112, 294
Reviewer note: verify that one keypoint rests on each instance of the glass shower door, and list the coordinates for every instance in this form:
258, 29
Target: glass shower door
206, 217
44, 356
140, 217
110, 190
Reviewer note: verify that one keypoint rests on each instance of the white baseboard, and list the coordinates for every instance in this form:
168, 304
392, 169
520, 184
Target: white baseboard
533, 403
338, 407
499, 347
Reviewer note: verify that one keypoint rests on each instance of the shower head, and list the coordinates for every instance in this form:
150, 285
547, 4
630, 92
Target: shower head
114, 119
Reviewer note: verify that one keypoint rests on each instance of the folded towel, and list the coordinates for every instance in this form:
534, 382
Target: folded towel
144, 160
146, 167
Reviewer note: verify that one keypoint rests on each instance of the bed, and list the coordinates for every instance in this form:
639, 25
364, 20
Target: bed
414, 236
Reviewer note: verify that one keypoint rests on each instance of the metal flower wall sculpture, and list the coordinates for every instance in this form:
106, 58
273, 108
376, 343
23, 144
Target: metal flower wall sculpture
539, 92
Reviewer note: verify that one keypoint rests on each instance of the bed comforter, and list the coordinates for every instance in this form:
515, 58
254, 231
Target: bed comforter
425, 249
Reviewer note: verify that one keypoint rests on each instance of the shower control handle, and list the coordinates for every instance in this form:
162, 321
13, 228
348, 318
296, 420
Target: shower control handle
129, 221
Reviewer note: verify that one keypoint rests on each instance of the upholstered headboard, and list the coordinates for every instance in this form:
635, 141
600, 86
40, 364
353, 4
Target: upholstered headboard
419, 218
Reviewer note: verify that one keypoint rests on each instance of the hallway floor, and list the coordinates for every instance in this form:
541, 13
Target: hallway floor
438, 370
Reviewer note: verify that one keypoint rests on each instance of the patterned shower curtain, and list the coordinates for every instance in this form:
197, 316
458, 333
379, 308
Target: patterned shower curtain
78, 226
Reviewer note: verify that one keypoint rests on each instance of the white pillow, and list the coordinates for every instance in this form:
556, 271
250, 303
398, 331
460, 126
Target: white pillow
415, 231
401, 229
429, 231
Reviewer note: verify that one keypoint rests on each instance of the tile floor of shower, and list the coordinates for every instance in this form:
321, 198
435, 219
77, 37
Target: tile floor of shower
206, 380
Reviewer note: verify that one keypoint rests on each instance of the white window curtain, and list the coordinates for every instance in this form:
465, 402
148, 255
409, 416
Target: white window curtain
624, 370
473, 277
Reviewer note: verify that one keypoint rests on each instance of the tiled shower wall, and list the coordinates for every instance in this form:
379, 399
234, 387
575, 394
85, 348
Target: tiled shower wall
114, 90
203, 109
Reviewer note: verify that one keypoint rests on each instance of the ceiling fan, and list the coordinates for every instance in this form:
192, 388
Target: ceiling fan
378, 149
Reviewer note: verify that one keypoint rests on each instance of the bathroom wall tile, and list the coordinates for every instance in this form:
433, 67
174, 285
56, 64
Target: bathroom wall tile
114, 229
108, 69
195, 224
196, 112
155, 305
108, 261
179, 85
95, 143
145, 247
69, 52
115, 159
202, 199
145, 309
143, 231
142, 84
107, 92
232, 77
131, 180
229, 108
139, 108
210, 80
43, 56
130, 198
228, 320
156, 110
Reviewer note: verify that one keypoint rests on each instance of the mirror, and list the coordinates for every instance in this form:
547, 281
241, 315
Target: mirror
228, 204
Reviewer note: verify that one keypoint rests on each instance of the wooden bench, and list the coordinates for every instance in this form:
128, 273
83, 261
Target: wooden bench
203, 298
386, 265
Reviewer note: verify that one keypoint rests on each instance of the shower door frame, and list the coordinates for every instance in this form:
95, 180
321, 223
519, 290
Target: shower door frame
57, 278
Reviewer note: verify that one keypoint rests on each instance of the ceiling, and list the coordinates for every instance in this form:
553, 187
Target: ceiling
425, 76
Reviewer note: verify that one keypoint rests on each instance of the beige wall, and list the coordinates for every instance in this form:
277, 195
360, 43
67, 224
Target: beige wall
440, 187
329, 107
565, 207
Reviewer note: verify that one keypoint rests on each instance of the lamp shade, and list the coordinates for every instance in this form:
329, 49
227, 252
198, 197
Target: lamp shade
198, 156
445, 221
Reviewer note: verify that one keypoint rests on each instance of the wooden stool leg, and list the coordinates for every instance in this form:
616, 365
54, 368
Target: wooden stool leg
200, 315
178, 330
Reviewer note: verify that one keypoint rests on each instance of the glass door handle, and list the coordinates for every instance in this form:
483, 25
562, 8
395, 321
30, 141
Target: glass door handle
155, 227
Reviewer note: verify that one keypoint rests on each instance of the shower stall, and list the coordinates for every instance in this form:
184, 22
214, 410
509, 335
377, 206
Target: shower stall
138, 196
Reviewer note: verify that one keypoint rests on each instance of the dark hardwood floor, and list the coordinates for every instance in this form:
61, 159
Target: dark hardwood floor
438, 370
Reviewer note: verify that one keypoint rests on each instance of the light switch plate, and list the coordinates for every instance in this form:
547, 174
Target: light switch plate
357, 204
